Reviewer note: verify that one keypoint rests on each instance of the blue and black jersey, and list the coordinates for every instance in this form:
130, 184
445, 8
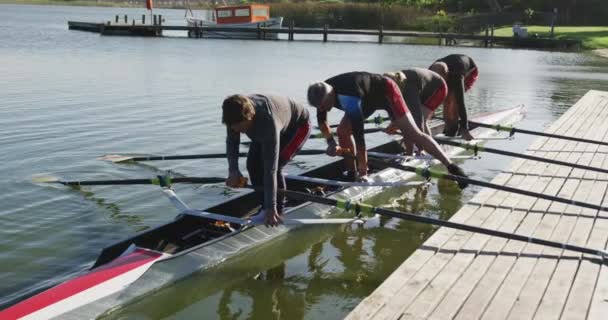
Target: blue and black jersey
359, 94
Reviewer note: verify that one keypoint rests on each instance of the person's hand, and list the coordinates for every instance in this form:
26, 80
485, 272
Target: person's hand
342, 152
236, 180
272, 218
392, 129
362, 174
466, 135
455, 170
363, 178
332, 148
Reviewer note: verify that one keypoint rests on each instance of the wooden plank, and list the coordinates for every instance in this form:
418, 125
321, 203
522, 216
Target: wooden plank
510, 225
434, 266
433, 294
568, 118
454, 298
373, 303
465, 278
482, 294
585, 282
522, 289
410, 291
470, 308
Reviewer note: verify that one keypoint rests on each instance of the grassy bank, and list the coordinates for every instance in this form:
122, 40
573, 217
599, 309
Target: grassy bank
359, 16
592, 37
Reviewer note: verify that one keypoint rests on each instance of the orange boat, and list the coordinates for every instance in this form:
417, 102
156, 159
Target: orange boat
237, 16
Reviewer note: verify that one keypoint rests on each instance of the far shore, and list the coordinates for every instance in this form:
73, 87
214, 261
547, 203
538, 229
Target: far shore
93, 3
594, 38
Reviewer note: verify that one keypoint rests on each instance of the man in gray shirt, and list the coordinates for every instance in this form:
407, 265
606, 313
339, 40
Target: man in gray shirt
278, 128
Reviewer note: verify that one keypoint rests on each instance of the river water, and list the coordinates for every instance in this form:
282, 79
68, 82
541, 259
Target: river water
69, 97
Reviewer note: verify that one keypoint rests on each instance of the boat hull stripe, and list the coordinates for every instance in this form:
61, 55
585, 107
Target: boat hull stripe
56, 294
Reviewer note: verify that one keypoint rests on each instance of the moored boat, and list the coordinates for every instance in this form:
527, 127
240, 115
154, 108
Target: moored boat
243, 16
195, 240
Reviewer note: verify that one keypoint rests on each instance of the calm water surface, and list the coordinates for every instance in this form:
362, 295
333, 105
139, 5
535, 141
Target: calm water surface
69, 97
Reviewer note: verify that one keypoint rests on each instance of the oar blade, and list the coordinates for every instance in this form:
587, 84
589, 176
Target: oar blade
115, 158
45, 179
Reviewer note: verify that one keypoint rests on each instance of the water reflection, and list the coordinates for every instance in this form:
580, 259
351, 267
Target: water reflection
298, 275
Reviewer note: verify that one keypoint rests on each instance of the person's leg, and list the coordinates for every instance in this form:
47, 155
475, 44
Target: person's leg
290, 145
427, 115
345, 140
450, 115
255, 165
281, 184
408, 128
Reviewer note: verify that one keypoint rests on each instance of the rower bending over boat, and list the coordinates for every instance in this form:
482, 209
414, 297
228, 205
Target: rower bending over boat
460, 73
359, 95
278, 128
423, 91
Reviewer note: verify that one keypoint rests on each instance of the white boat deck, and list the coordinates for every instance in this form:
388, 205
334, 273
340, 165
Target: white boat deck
462, 275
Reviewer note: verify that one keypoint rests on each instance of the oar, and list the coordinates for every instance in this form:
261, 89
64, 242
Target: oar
368, 130
153, 181
477, 148
512, 130
375, 120
427, 173
287, 222
365, 208
121, 158
345, 184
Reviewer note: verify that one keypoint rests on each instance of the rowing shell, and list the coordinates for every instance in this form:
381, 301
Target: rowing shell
156, 258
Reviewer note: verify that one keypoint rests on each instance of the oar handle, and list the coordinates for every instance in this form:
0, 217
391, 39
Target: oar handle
513, 130
107, 182
154, 181
476, 148
375, 120
361, 207
368, 130
184, 157
427, 173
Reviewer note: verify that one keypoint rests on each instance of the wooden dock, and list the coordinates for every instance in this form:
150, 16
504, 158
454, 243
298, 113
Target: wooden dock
156, 27
461, 275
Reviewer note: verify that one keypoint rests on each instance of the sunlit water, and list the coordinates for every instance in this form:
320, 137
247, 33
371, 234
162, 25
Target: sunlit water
69, 97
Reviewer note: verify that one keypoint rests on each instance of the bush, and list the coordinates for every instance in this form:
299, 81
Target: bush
352, 15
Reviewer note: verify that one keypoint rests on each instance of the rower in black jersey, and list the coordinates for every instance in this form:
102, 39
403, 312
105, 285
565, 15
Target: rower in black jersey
460, 73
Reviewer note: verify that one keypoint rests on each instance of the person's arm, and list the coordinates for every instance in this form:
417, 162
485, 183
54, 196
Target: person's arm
357, 124
324, 128
235, 177
459, 95
411, 96
233, 140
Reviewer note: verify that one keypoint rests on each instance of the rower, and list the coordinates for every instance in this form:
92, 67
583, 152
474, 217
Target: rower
278, 128
423, 91
460, 73
359, 95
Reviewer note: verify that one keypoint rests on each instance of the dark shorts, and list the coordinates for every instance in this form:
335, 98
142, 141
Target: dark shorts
470, 78
437, 98
395, 99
